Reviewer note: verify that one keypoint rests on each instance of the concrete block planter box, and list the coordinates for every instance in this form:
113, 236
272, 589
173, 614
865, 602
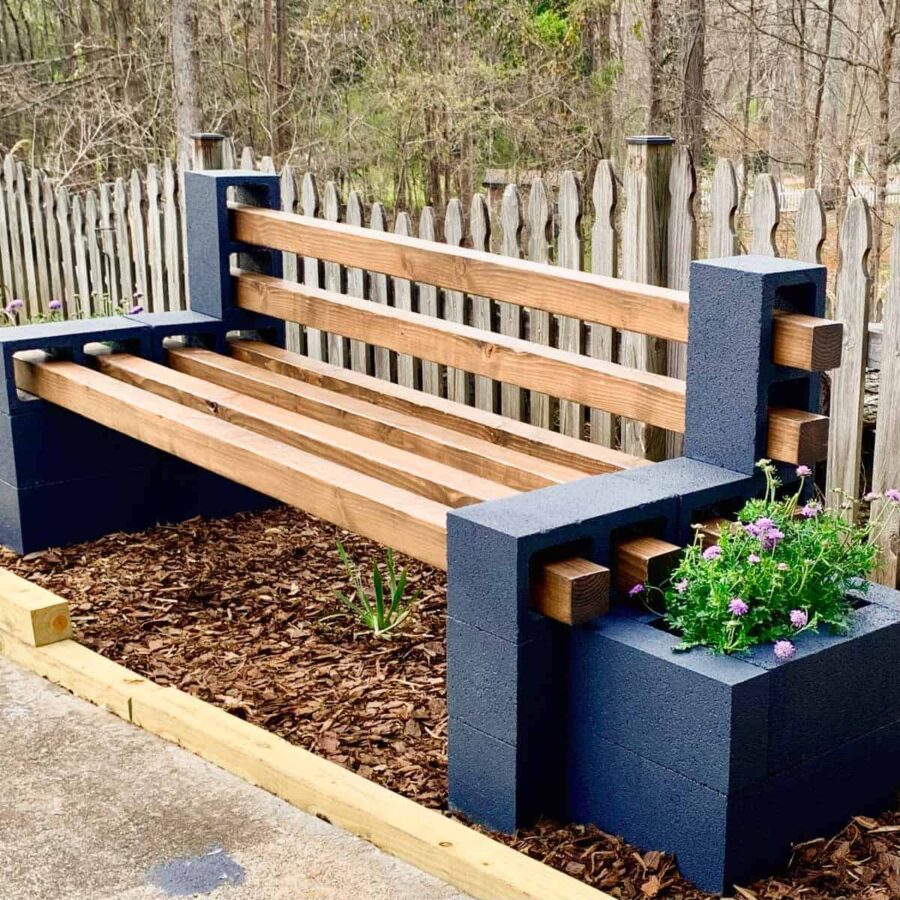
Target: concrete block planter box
725, 761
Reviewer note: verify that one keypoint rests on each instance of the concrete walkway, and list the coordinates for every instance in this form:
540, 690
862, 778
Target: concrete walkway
91, 807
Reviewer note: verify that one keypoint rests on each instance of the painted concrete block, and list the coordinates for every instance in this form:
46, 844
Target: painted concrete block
730, 373
68, 512
198, 329
701, 715
64, 339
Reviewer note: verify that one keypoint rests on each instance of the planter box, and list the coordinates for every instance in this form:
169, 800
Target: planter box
725, 761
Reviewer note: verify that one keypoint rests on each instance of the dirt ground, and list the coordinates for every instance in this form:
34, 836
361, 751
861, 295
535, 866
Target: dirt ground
242, 613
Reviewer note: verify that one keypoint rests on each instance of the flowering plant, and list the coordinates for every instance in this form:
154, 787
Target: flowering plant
784, 567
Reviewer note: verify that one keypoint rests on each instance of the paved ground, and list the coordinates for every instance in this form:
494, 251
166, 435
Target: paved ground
91, 808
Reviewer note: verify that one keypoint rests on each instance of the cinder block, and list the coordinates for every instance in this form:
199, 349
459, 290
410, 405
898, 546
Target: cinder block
210, 245
68, 512
836, 688
730, 372
200, 330
701, 715
504, 689
52, 444
65, 339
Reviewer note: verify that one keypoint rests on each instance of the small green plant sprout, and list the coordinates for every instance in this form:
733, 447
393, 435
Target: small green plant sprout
787, 565
387, 608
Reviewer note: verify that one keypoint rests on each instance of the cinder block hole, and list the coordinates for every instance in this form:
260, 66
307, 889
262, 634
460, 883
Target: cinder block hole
179, 341
799, 298
648, 528
579, 548
791, 392
104, 348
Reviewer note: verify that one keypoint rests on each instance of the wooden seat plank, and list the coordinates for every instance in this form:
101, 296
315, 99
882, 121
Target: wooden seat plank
509, 467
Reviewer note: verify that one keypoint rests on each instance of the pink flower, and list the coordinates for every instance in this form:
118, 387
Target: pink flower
681, 586
811, 510
893, 495
54, 305
713, 552
798, 618
135, 310
771, 539
803, 471
872, 495
784, 650
753, 559
635, 590
738, 607
782, 567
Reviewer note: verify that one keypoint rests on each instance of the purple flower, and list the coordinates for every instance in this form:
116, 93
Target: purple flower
782, 567
784, 650
811, 510
765, 523
15, 304
798, 618
54, 305
681, 586
138, 295
737, 607
893, 495
803, 471
135, 310
872, 495
713, 552
771, 539
636, 589
753, 559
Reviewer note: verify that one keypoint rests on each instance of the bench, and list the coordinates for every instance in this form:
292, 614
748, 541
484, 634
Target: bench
206, 412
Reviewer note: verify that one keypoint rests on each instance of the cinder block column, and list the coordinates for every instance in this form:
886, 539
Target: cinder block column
731, 380
63, 478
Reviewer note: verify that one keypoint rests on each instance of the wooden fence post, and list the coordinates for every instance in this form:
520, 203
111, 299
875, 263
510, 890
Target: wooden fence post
723, 203
511, 396
645, 259
569, 255
539, 241
208, 150
486, 391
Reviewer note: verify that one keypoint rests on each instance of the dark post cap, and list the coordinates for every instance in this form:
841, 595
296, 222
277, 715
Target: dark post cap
207, 136
649, 139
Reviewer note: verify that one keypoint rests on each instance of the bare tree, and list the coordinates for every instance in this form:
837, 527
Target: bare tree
184, 69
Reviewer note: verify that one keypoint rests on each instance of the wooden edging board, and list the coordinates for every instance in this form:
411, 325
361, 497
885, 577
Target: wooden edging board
470, 861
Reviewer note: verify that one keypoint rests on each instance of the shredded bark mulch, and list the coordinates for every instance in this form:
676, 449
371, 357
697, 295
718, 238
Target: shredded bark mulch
241, 612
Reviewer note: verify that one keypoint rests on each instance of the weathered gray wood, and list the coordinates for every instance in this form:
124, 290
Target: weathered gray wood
39, 230
6, 261
183, 165
604, 261
70, 300
765, 215
511, 396
378, 293
539, 322
171, 238
290, 264
10, 177
156, 299
458, 381
108, 246
569, 255
138, 239
267, 164
644, 247
809, 227
248, 158
886, 465
82, 277
123, 243
54, 250
682, 248
723, 203
99, 297
208, 149
32, 301
487, 392
338, 345
309, 204
853, 295
228, 153
428, 305
408, 367
360, 352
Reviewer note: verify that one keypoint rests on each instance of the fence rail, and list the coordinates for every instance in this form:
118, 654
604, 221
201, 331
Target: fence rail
122, 245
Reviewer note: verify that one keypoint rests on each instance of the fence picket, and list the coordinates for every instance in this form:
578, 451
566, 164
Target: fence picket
123, 242
338, 345
539, 322
309, 203
487, 392
171, 237
32, 300
184, 165
604, 261
82, 278
511, 396
428, 305
765, 215
886, 465
723, 204
408, 368
853, 295
809, 227
455, 301
682, 249
378, 293
54, 250
290, 263
70, 290
6, 261
92, 242
569, 255
138, 238
248, 158
360, 351
15, 231
108, 247
40, 238
156, 298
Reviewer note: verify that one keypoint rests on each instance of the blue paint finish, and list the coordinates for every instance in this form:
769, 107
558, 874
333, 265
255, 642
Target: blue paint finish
191, 875
209, 245
200, 330
730, 374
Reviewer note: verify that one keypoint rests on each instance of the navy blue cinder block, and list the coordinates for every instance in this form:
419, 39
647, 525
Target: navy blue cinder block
730, 374
198, 330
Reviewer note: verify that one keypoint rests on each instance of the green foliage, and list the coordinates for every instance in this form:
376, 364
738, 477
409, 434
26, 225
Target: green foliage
551, 27
388, 607
782, 568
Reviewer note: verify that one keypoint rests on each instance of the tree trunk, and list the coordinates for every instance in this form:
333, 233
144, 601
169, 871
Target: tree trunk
184, 71
654, 57
693, 65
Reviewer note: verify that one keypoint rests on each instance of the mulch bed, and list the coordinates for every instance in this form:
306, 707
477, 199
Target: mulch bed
241, 612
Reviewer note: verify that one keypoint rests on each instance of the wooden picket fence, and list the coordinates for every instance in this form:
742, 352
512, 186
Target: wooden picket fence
122, 245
